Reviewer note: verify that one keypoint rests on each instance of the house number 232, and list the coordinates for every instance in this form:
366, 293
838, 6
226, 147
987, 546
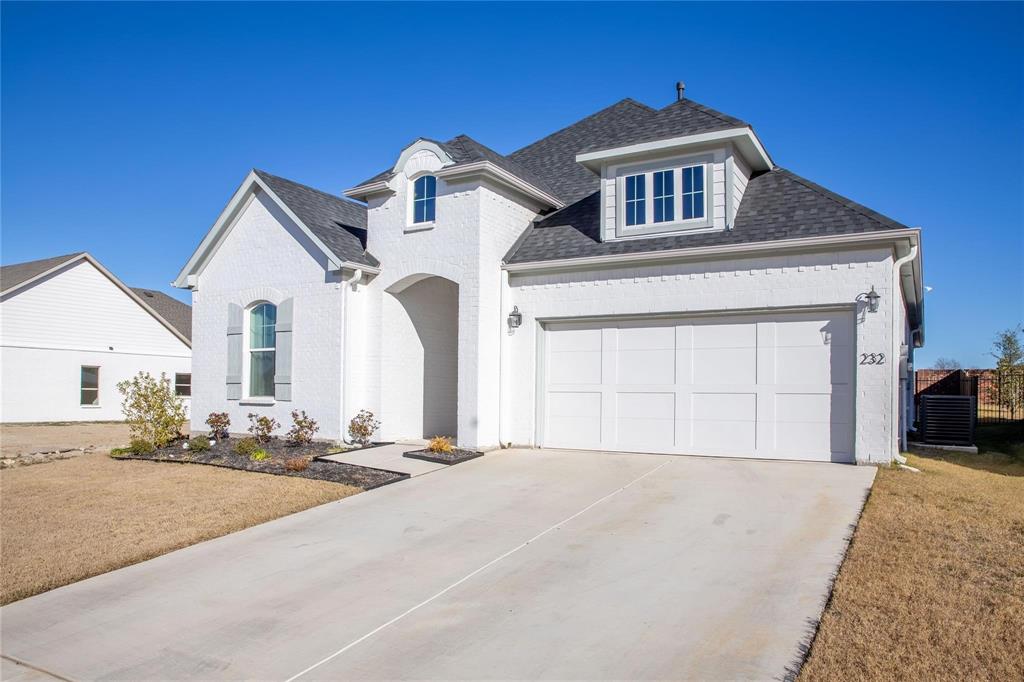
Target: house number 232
872, 358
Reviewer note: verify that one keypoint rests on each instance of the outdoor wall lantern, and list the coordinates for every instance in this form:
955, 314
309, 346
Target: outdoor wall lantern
872, 298
515, 318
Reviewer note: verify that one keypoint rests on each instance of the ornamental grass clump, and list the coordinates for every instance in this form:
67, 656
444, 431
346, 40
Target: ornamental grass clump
297, 464
260, 455
198, 444
151, 409
246, 446
440, 445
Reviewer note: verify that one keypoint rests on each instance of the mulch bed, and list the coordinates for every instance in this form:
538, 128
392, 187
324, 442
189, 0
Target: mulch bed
222, 454
456, 456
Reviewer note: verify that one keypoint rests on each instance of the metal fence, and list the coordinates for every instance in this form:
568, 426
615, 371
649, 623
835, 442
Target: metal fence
1000, 394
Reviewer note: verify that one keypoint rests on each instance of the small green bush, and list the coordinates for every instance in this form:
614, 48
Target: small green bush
260, 455
120, 452
151, 409
198, 444
140, 446
246, 447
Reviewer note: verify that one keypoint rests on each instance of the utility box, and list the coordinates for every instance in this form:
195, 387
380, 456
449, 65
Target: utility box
948, 419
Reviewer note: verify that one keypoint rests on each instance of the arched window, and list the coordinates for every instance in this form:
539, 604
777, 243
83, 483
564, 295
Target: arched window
262, 349
424, 196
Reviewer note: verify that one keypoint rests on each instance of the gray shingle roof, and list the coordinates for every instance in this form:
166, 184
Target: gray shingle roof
464, 150
176, 313
16, 273
338, 223
776, 205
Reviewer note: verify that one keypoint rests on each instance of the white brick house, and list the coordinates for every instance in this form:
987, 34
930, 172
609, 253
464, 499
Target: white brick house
642, 280
70, 331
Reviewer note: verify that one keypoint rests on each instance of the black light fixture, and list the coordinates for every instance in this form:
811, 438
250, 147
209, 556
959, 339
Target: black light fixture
872, 297
515, 318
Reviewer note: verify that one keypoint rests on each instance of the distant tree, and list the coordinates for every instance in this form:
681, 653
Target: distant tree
946, 363
1008, 390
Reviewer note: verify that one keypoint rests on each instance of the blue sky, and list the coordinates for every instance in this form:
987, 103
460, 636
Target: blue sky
126, 127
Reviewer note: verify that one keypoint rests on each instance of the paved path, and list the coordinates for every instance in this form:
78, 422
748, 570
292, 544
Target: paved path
389, 457
520, 564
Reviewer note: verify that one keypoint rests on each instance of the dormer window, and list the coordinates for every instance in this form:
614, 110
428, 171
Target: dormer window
636, 200
664, 196
424, 198
693, 192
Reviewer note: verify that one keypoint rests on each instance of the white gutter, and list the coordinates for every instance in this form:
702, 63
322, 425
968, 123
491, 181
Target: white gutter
812, 243
502, 355
898, 423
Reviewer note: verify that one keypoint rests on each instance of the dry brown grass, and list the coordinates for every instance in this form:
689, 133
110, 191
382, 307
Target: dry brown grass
933, 585
64, 521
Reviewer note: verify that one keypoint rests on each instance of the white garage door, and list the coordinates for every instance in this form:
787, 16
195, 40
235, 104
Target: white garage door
777, 386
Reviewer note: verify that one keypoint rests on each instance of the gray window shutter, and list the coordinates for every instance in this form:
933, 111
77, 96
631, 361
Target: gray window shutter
283, 359
236, 319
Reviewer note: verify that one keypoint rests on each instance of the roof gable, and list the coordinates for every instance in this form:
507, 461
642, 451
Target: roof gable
16, 274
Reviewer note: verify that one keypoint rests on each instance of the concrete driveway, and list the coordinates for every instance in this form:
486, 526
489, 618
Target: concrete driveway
521, 564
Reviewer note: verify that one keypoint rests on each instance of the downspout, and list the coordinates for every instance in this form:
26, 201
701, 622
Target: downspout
502, 354
897, 422
355, 278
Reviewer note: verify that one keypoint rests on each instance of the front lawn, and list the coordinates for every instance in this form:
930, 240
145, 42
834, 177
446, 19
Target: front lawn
933, 584
72, 519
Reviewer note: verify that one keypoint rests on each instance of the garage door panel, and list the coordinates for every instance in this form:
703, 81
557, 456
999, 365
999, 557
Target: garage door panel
654, 366
577, 367
574, 418
724, 335
814, 407
724, 366
818, 366
742, 385
645, 421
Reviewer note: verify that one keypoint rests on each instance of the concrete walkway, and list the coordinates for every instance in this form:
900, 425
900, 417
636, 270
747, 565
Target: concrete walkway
390, 457
520, 564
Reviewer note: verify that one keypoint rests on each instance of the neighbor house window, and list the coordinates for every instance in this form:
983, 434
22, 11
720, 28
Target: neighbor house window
90, 386
636, 200
693, 192
262, 350
424, 197
182, 384
664, 196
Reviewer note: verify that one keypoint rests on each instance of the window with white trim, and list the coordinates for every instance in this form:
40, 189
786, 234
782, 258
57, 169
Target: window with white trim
664, 196
182, 384
424, 199
693, 192
262, 350
636, 200
90, 386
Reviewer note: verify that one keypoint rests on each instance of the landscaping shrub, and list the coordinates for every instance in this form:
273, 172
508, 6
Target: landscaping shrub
440, 444
141, 446
153, 412
246, 446
120, 452
260, 455
219, 423
198, 444
261, 427
302, 430
362, 427
296, 464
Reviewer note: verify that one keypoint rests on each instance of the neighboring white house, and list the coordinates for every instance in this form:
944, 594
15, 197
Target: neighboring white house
643, 280
70, 330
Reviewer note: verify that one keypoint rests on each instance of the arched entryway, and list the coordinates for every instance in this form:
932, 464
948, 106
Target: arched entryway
420, 363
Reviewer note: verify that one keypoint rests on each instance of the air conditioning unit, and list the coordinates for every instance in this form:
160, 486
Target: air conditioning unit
948, 419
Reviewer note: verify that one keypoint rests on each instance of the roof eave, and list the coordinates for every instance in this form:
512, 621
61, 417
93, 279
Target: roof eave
745, 140
364, 192
510, 180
